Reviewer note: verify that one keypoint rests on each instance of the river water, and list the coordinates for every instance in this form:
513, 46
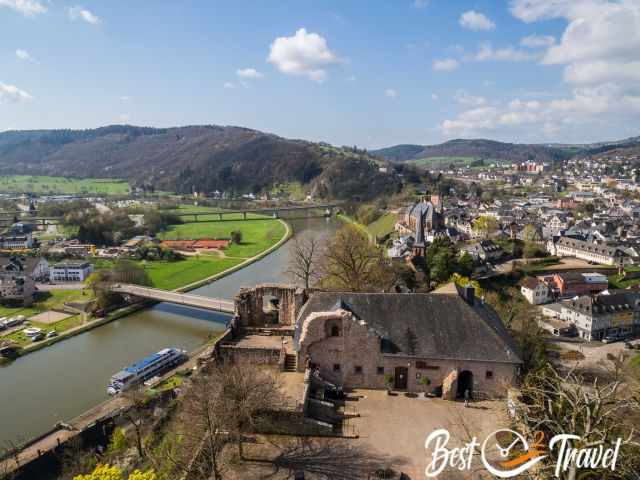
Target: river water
64, 380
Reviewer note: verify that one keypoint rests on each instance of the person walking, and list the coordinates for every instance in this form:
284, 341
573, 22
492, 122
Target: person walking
466, 397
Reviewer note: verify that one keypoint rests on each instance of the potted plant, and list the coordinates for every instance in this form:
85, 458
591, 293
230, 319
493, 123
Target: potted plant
424, 382
389, 380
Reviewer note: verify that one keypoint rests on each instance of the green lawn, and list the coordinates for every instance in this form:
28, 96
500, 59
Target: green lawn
172, 275
383, 225
257, 235
61, 185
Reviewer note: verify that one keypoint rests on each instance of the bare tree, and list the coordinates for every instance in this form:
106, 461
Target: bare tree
135, 414
249, 395
305, 260
559, 404
200, 431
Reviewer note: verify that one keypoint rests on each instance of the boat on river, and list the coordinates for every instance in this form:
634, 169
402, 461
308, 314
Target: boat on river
147, 368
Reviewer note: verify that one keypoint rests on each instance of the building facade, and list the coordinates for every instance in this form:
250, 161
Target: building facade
70, 271
439, 343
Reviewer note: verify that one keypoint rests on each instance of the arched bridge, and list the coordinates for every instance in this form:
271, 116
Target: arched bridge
187, 299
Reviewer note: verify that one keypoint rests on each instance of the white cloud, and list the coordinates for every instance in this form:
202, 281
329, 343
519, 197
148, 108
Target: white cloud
13, 93
23, 54
391, 93
434, 97
351, 78
420, 3
250, 73
80, 13
124, 117
476, 21
229, 85
304, 53
445, 64
507, 54
488, 83
463, 98
27, 8
125, 98
537, 41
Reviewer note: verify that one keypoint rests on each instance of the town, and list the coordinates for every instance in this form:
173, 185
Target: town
328, 240
532, 269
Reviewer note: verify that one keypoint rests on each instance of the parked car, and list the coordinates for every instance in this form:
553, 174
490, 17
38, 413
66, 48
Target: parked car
52, 334
610, 339
38, 337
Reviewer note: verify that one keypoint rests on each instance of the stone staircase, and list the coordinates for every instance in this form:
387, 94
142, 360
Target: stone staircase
290, 363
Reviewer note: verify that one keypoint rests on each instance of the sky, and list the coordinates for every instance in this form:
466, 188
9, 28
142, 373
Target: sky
369, 73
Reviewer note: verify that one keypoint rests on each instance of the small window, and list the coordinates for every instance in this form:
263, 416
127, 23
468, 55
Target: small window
358, 369
335, 331
489, 375
380, 371
336, 367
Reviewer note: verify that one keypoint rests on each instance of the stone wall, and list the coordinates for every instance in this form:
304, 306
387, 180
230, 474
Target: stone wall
249, 305
357, 352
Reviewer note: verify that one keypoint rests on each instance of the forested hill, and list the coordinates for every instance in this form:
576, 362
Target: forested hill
195, 158
478, 148
490, 149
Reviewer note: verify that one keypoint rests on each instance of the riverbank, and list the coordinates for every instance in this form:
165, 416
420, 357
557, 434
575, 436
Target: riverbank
122, 312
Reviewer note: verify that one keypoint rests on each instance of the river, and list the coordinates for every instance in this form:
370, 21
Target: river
64, 380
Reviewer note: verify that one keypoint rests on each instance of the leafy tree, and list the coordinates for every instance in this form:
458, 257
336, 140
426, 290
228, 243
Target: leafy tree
485, 225
465, 264
352, 263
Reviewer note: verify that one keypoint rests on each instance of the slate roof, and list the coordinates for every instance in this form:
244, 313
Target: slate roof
26, 264
443, 326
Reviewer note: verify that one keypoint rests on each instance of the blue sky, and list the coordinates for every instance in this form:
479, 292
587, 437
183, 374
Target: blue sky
370, 73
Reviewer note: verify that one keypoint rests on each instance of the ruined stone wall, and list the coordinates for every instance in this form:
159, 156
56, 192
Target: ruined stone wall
249, 304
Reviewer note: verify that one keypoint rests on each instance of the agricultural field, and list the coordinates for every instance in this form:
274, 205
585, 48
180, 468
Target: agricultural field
444, 162
61, 185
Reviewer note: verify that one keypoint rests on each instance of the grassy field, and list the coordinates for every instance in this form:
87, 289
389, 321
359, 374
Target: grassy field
171, 275
383, 225
257, 235
61, 185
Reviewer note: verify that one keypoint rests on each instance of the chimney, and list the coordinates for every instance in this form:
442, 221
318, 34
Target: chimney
469, 294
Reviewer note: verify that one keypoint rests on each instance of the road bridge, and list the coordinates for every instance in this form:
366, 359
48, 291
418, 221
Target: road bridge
187, 299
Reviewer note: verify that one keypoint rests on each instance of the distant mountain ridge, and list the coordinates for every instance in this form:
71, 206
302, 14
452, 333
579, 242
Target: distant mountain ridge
194, 158
491, 149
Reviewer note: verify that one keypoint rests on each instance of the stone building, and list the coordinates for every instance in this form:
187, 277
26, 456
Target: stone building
439, 343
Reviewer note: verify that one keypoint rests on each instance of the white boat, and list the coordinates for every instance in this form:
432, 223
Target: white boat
148, 367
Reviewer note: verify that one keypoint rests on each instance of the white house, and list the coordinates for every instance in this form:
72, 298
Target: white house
535, 291
70, 271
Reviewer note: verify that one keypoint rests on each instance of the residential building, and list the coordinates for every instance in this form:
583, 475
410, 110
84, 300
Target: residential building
591, 251
36, 267
485, 250
535, 291
70, 271
617, 314
571, 284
